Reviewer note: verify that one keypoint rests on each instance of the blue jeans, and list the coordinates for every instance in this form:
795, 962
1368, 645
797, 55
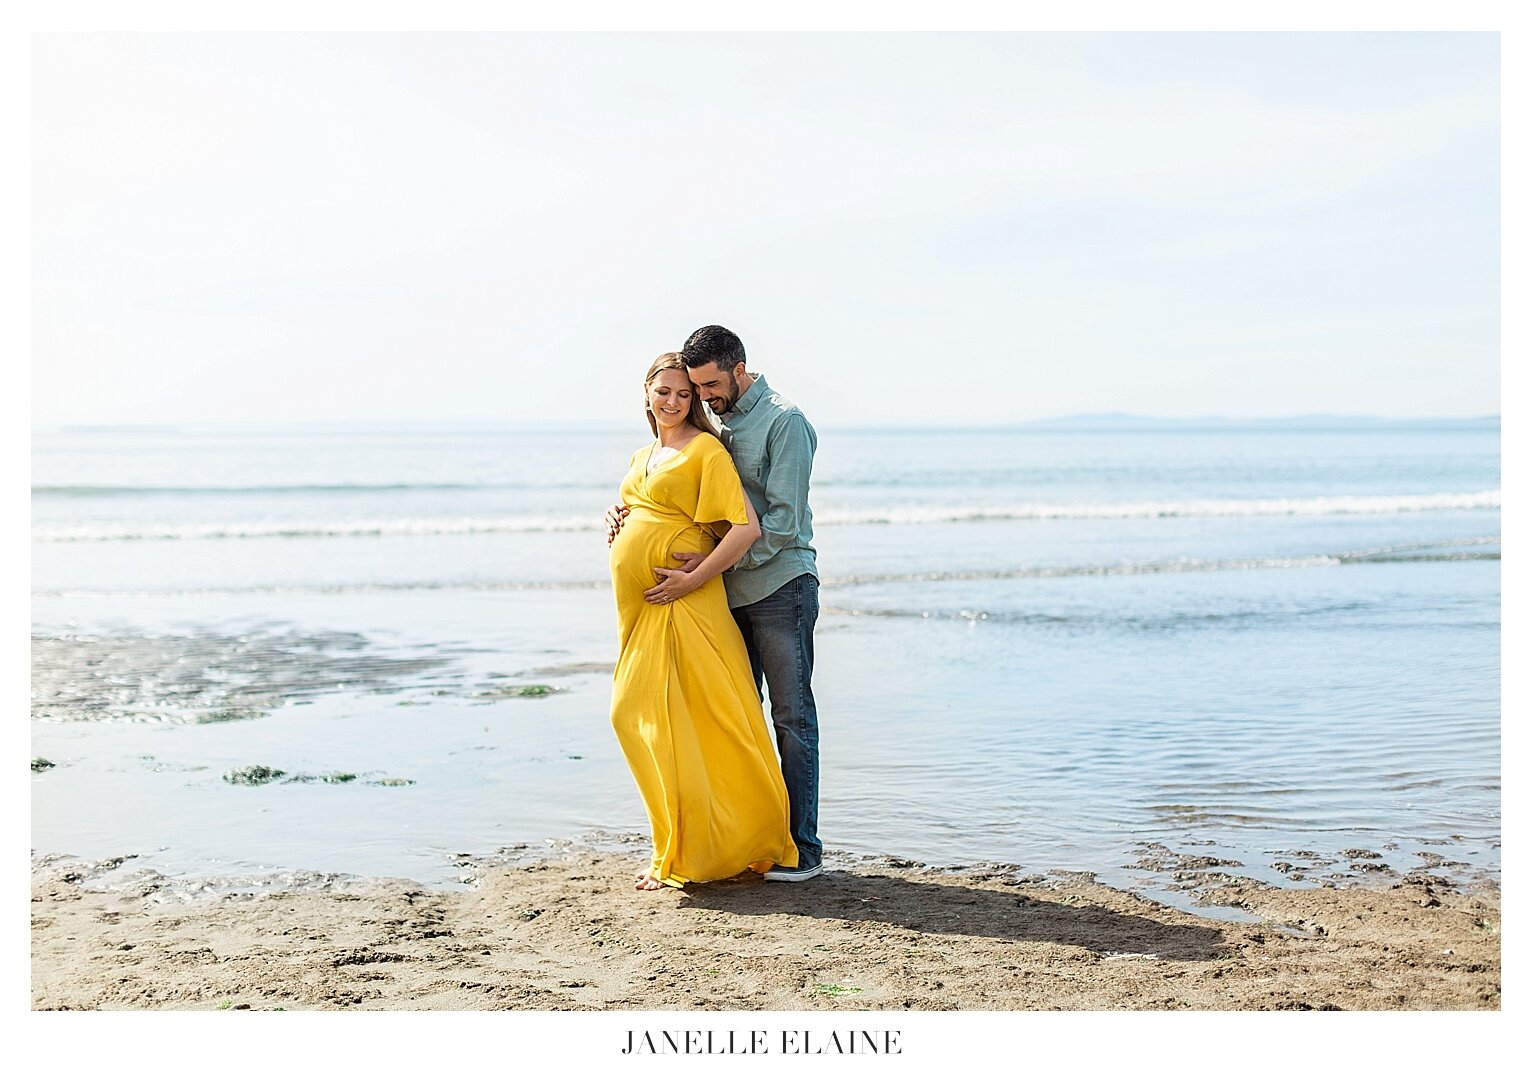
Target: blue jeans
779, 634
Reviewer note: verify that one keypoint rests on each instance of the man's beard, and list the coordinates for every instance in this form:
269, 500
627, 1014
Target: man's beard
728, 404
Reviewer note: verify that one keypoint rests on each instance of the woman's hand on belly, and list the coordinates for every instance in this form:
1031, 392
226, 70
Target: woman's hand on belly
673, 585
670, 588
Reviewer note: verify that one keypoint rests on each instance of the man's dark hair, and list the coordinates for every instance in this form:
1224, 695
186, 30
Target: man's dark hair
713, 344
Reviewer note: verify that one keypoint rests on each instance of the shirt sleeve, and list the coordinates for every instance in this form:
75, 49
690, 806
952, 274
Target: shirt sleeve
720, 496
789, 461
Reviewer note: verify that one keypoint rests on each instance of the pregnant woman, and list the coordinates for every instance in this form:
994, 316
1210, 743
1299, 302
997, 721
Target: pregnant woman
684, 703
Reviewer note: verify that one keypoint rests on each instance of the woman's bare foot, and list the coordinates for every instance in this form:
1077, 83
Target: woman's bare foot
648, 882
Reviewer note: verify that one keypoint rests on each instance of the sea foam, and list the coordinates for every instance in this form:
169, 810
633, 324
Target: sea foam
1153, 509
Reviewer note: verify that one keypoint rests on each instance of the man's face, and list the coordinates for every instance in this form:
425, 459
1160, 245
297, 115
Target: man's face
719, 388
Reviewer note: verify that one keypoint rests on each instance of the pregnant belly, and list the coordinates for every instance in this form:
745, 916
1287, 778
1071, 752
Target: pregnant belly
646, 542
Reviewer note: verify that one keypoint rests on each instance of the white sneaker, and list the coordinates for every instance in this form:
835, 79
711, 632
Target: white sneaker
793, 875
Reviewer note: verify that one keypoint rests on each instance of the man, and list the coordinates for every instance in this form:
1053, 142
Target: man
774, 590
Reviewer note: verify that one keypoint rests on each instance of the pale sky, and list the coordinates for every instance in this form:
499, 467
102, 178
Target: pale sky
904, 228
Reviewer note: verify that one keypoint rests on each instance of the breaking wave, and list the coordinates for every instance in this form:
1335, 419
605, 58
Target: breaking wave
1186, 509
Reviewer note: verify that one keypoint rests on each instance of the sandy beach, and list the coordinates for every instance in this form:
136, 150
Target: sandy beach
568, 932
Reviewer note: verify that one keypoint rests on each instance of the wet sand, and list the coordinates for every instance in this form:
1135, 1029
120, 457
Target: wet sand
249, 750
212, 737
568, 932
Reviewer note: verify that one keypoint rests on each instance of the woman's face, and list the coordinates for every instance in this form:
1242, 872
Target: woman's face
670, 398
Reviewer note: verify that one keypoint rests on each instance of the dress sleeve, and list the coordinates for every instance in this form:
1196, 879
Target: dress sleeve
627, 491
720, 497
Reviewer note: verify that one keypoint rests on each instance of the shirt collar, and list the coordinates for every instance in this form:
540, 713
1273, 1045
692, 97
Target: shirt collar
751, 396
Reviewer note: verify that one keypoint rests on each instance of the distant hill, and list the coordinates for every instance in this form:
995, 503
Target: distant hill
1125, 421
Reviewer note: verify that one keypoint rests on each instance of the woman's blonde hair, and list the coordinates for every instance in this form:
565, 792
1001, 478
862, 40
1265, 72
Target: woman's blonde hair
696, 415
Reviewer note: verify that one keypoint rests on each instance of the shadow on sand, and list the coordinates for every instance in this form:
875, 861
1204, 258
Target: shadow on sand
1008, 915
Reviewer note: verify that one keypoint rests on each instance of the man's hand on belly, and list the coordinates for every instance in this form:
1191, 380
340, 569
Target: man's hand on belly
674, 584
614, 520
689, 561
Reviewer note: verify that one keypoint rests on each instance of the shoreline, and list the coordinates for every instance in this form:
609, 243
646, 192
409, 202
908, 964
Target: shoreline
391, 720
568, 932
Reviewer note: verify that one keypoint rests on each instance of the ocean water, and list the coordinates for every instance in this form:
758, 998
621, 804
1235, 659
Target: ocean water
1108, 650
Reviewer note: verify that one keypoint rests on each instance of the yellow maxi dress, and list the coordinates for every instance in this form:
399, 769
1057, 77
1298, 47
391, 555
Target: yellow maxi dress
684, 703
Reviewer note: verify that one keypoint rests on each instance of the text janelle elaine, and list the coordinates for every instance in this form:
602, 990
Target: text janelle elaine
762, 1042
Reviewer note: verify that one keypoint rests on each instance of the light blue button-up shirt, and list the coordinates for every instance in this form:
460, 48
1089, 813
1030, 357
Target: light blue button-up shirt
773, 447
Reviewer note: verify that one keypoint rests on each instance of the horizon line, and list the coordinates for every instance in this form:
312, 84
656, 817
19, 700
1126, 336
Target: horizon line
1100, 418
